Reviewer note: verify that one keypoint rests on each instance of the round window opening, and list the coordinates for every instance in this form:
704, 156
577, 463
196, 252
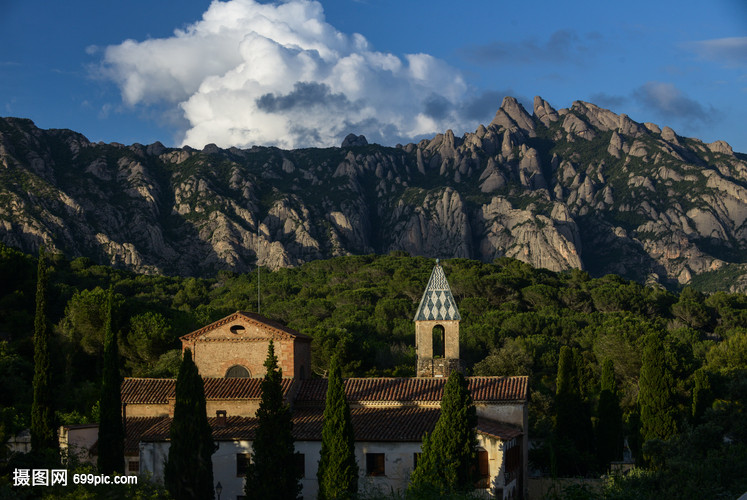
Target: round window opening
237, 329
238, 371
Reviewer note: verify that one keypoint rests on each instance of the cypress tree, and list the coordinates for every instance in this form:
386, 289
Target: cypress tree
273, 475
189, 469
448, 456
609, 426
43, 435
111, 431
573, 432
656, 393
338, 471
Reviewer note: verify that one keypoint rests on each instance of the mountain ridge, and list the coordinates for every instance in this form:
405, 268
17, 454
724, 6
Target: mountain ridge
580, 187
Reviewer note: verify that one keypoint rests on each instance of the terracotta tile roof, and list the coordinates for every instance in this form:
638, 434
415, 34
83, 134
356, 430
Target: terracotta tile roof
251, 318
415, 390
371, 424
407, 424
135, 427
147, 390
159, 390
499, 430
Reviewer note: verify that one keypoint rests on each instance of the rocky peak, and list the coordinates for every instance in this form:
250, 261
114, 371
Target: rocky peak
544, 112
512, 115
352, 140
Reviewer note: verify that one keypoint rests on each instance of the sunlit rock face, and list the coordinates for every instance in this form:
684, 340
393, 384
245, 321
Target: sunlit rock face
571, 188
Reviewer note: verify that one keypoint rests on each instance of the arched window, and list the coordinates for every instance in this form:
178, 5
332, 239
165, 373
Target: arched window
238, 371
439, 348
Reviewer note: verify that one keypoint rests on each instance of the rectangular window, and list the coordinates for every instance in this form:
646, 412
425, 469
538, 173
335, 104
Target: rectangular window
375, 464
301, 464
133, 467
242, 463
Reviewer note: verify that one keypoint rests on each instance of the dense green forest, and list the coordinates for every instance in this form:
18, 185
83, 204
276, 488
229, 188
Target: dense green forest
516, 320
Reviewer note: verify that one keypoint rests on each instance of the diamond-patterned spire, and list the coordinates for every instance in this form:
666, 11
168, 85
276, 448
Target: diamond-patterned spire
437, 303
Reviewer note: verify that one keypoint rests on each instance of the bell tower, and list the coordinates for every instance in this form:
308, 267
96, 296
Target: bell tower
437, 328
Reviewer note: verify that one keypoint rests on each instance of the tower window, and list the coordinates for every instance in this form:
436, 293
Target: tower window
439, 346
238, 371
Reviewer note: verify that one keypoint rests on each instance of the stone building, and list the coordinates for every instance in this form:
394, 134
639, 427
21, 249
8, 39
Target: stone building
389, 415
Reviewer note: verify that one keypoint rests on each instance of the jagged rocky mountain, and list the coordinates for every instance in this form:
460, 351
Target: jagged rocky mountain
570, 188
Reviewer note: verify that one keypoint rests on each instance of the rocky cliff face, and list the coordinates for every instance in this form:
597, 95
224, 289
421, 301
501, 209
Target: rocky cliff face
559, 189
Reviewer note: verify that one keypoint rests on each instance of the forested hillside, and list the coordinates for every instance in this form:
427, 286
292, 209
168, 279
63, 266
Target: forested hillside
558, 328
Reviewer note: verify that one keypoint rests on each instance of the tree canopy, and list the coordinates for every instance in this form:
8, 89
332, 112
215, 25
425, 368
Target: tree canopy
449, 452
338, 470
189, 469
273, 473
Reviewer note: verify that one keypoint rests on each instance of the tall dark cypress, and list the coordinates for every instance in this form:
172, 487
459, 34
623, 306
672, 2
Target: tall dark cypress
111, 430
189, 469
609, 426
573, 432
273, 474
656, 395
43, 435
338, 471
448, 456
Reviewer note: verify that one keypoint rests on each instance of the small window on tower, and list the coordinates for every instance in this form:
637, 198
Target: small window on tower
439, 346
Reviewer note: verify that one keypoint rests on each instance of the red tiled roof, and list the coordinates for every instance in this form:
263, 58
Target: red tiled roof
159, 390
483, 389
147, 390
406, 424
135, 427
499, 430
235, 428
251, 318
371, 424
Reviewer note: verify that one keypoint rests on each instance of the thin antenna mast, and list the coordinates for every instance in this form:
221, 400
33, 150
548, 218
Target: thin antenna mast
259, 304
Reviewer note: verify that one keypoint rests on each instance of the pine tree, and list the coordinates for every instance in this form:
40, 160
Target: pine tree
273, 475
609, 426
702, 395
338, 471
448, 456
111, 431
43, 435
189, 469
656, 393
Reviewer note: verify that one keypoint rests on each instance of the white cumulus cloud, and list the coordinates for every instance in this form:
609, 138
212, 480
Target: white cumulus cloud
279, 74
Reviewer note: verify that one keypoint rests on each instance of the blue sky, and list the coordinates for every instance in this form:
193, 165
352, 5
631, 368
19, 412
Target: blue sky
298, 73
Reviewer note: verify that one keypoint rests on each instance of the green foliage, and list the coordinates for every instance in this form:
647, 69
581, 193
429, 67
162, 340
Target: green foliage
573, 439
272, 473
656, 392
188, 473
449, 452
150, 334
111, 431
338, 471
609, 430
43, 432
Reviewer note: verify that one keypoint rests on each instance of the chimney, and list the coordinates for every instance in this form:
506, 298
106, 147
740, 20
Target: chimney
220, 418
